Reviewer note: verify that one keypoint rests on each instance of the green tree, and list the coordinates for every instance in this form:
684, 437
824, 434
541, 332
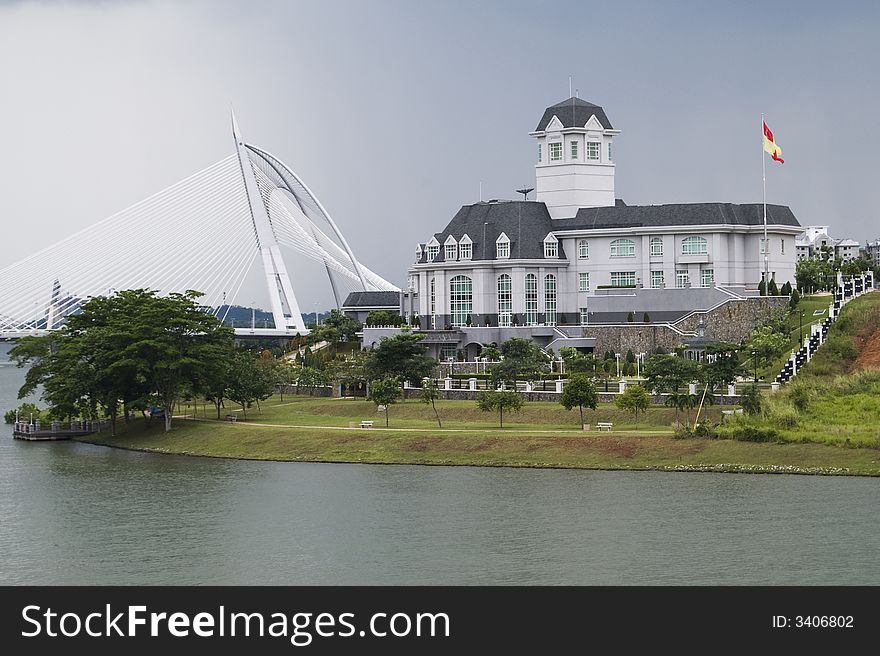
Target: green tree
723, 366
250, 381
794, 299
578, 392
430, 394
786, 289
577, 362
667, 373
385, 392
523, 360
402, 356
774, 290
635, 398
335, 329
768, 343
751, 400
310, 378
499, 400
630, 317
491, 353
384, 318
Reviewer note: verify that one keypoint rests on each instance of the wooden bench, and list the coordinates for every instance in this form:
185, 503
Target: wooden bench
366, 424
604, 425
231, 418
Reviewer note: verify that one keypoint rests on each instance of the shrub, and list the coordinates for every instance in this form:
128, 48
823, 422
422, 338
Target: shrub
782, 416
683, 433
800, 396
646, 318
705, 429
751, 400
795, 299
630, 317
774, 290
754, 434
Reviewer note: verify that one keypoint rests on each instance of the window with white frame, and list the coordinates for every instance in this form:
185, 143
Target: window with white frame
505, 300
623, 248
694, 246
461, 300
609, 151
465, 250
682, 279
585, 316
782, 243
623, 278
583, 282
583, 249
450, 252
555, 151
502, 250
433, 251
657, 281
433, 304
593, 150
550, 300
531, 299
656, 247
574, 149
707, 278
418, 253
539, 153
448, 352
551, 247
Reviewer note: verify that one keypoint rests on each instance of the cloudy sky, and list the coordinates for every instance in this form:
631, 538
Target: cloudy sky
393, 111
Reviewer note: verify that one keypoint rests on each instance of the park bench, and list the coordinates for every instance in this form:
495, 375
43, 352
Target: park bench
231, 418
366, 424
604, 425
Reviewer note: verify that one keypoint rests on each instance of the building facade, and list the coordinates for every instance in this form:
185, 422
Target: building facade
577, 256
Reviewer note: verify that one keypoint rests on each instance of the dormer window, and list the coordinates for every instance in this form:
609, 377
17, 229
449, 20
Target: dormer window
418, 252
593, 150
432, 249
556, 151
551, 246
502, 247
465, 248
450, 249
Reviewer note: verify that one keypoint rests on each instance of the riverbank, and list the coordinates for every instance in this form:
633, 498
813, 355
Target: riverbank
322, 430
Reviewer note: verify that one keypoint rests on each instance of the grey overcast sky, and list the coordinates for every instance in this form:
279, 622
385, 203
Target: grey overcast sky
393, 111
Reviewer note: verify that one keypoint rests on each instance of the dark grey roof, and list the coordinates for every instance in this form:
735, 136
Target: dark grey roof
526, 223
679, 214
573, 113
372, 299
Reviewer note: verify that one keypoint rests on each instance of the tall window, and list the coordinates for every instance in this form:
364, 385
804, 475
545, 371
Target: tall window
585, 316
593, 150
656, 247
505, 300
694, 246
623, 278
707, 278
433, 305
609, 151
551, 248
782, 241
461, 300
465, 250
583, 282
682, 279
556, 151
574, 149
447, 352
623, 248
450, 252
502, 249
531, 299
539, 153
433, 251
550, 300
583, 249
657, 281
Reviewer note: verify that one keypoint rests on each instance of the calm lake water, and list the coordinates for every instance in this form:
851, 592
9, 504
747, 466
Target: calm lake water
78, 514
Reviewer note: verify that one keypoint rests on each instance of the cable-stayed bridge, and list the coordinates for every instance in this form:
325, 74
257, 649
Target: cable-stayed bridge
207, 232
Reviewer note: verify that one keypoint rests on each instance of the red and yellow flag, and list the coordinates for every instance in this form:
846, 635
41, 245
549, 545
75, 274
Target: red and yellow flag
771, 147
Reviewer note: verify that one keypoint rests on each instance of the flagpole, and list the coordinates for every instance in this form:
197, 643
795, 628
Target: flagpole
764, 182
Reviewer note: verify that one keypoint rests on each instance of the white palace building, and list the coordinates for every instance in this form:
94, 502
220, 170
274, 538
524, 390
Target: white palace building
577, 256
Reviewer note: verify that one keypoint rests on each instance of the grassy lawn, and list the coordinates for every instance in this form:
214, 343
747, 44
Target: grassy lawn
543, 435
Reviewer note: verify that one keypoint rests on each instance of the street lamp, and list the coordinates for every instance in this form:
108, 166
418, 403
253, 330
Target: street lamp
755, 357
801, 328
617, 358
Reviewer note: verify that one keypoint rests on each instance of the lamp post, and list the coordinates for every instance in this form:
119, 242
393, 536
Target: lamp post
617, 358
755, 358
801, 328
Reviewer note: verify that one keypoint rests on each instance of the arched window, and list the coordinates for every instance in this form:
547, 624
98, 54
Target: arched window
656, 246
461, 300
623, 248
531, 299
550, 300
505, 300
583, 249
694, 246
